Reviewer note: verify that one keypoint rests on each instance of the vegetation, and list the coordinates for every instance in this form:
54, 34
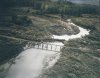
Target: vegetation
21, 20
56, 7
82, 60
30, 19
87, 22
9, 49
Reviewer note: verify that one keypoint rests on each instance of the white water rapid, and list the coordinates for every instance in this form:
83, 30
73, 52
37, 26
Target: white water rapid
31, 62
82, 33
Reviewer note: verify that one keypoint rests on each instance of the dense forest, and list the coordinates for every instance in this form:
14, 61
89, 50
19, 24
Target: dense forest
9, 9
48, 6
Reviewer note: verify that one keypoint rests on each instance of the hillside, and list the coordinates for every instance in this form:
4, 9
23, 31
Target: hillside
83, 59
37, 20
92, 2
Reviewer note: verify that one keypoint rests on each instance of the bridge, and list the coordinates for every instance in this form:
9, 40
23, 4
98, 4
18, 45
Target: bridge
44, 46
39, 44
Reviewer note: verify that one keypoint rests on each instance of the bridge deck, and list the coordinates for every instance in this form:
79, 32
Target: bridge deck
45, 46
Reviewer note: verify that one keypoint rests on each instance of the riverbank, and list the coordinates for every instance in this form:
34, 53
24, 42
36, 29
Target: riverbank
82, 59
77, 59
37, 31
43, 60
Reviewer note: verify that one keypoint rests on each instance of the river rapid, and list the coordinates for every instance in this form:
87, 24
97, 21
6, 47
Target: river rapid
32, 62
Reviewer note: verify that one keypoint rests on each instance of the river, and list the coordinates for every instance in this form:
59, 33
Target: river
32, 62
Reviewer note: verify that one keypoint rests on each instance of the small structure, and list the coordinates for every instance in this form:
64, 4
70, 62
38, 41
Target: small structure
44, 46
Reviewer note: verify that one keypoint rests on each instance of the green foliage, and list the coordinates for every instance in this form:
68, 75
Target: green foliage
82, 59
68, 9
60, 6
86, 22
21, 20
76, 62
8, 49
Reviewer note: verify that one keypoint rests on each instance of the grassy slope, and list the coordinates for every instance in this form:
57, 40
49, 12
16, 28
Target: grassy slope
35, 30
83, 59
73, 63
9, 49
